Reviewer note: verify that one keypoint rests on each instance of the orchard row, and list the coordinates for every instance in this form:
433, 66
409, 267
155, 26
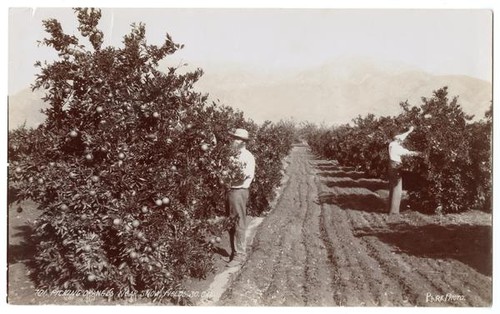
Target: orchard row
454, 171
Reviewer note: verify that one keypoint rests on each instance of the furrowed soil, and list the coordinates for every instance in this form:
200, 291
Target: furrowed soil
327, 242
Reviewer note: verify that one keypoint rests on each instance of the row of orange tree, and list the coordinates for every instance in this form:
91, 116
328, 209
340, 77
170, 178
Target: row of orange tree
131, 165
454, 171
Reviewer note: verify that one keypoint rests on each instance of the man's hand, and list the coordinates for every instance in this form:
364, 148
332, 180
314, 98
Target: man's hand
411, 128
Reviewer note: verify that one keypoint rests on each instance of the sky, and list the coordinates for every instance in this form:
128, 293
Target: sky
447, 41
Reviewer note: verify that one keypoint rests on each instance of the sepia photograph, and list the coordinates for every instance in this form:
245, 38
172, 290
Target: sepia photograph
229, 157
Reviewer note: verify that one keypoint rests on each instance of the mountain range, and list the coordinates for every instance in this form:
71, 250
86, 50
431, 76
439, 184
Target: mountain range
339, 91
331, 93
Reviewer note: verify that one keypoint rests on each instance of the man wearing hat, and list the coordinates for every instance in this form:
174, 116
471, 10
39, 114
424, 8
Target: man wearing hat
396, 151
237, 196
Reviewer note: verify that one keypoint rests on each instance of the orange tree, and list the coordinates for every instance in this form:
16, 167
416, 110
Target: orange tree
128, 167
454, 172
271, 143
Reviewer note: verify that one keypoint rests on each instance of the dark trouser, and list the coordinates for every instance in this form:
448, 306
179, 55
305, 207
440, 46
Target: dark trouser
395, 187
237, 208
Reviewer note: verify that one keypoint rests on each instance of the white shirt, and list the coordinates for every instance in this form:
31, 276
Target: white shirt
247, 161
396, 151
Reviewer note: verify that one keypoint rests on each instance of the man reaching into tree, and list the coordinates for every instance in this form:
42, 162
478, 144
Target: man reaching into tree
396, 151
237, 197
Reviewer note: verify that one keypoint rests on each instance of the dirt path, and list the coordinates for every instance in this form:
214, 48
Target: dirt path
328, 242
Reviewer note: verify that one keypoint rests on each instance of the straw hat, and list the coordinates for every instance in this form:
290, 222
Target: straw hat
241, 134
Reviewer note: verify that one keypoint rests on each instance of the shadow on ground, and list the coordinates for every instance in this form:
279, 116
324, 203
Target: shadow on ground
319, 164
221, 251
330, 167
471, 245
370, 184
342, 174
361, 202
24, 250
